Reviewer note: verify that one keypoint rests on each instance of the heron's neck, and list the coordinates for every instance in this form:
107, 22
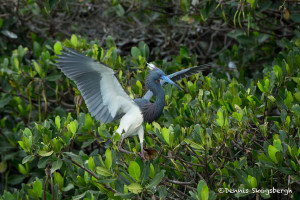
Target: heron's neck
160, 98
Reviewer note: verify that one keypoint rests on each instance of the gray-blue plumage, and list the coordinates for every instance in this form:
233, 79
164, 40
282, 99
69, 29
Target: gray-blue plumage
152, 111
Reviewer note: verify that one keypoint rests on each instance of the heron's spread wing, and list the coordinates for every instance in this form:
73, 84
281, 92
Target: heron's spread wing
102, 92
187, 72
178, 76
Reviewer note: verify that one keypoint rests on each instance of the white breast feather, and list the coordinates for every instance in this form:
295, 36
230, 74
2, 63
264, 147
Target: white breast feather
117, 101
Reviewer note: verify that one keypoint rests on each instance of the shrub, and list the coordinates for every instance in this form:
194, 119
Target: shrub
217, 134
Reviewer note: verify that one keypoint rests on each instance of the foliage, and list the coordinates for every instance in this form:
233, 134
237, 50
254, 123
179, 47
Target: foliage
217, 26
215, 134
223, 132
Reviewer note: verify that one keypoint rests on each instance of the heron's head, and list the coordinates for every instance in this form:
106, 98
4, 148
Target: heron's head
156, 75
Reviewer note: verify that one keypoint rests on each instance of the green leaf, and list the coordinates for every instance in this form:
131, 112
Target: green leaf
78, 197
144, 49
184, 52
220, 119
74, 40
37, 188
38, 69
110, 42
289, 99
271, 98
69, 187
252, 181
3, 166
43, 162
134, 170
59, 180
88, 122
157, 179
278, 72
27, 132
124, 196
22, 169
53, 78
7, 196
45, 153
27, 158
166, 135
72, 127
91, 163
296, 109
295, 17
57, 122
272, 153
152, 171
58, 48
108, 158
56, 165
135, 188
205, 193
4, 101
140, 86
297, 96
202, 190
277, 144
261, 88
238, 115
103, 171
135, 52
36, 49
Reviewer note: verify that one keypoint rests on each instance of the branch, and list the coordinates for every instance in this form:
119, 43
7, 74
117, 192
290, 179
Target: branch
91, 173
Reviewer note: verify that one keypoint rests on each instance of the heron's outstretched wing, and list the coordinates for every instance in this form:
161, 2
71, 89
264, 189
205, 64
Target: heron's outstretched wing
178, 76
102, 92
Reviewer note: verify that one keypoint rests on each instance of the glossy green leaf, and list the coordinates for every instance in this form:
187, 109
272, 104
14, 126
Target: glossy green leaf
37, 188
59, 180
272, 153
74, 40
103, 171
57, 122
134, 170
58, 47
27, 159
91, 163
108, 158
220, 119
38, 69
135, 52
135, 188
56, 165
88, 122
45, 153
166, 135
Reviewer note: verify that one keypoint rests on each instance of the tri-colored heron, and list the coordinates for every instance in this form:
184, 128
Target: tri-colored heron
106, 100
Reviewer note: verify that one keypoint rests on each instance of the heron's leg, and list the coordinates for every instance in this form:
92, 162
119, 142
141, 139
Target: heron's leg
141, 138
120, 145
142, 151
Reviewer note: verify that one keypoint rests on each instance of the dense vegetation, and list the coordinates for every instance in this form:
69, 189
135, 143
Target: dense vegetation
229, 132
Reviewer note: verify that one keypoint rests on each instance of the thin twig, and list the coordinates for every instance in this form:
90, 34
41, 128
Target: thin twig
92, 174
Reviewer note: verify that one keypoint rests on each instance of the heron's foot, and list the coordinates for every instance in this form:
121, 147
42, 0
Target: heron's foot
142, 155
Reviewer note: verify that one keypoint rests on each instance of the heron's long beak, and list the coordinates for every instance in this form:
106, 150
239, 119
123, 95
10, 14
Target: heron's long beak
170, 81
